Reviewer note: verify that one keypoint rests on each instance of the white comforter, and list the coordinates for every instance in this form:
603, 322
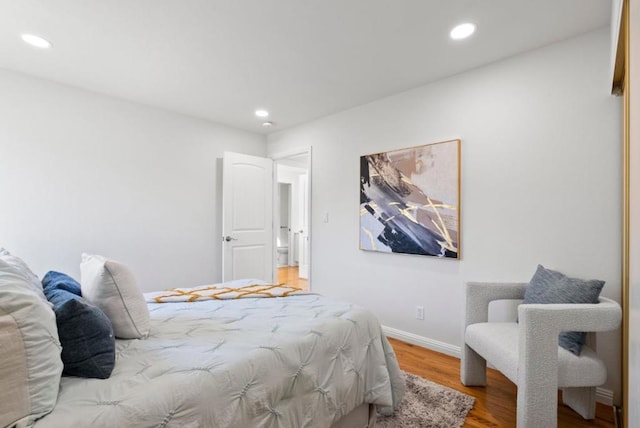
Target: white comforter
298, 361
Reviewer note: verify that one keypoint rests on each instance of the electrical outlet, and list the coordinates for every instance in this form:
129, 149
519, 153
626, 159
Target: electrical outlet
420, 312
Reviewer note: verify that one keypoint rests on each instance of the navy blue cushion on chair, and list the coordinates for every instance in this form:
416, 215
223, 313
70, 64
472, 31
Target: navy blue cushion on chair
86, 334
549, 286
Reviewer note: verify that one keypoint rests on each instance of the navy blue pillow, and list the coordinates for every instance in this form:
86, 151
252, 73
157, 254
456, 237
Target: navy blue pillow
85, 332
61, 281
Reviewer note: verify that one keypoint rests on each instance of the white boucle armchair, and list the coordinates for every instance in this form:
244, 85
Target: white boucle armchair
527, 351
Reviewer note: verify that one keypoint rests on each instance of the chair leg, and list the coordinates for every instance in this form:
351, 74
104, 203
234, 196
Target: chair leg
582, 400
473, 368
537, 405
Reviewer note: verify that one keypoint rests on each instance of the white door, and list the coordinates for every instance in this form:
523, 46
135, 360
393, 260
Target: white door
247, 217
303, 245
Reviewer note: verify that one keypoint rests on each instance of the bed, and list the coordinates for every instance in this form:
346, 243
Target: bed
297, 361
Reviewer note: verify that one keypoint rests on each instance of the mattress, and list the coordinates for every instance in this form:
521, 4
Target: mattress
297, 361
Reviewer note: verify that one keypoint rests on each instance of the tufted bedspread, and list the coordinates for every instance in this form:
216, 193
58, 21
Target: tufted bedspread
298, 361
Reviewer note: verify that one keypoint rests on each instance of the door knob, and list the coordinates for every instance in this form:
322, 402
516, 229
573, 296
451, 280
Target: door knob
229, 238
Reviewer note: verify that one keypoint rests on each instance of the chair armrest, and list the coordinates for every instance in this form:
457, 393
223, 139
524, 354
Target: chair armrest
554, 318
539, 326
480, 294
538, 329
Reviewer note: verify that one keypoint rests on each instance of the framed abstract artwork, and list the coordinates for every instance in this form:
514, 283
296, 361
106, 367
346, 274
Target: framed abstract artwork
410, 200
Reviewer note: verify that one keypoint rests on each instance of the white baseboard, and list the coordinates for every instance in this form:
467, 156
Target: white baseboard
603, 396
422, 341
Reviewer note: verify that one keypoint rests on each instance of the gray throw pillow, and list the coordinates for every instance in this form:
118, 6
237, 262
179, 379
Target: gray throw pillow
549, 286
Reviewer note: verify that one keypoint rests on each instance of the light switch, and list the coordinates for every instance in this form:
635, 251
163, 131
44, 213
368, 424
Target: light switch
325, 217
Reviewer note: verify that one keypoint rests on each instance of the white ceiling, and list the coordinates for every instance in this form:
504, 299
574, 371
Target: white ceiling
300, 59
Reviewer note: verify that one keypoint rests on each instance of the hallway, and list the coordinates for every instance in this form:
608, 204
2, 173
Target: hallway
289, 275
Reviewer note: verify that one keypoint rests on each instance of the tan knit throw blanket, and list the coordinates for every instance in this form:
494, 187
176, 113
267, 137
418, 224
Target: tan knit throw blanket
222, 292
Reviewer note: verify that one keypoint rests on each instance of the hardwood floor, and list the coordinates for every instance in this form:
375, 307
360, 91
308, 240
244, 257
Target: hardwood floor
289, 275
495, 404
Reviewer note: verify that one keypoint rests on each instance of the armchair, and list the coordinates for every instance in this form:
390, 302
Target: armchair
527, 351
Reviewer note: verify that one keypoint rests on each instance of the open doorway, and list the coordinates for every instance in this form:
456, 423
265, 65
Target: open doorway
291, 216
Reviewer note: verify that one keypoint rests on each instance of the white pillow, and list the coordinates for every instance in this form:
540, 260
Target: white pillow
21, 268
30, 362
111, 286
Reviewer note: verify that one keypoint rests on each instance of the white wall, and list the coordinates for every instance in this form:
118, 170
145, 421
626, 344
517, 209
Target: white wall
633, 299
540, 184
83, 172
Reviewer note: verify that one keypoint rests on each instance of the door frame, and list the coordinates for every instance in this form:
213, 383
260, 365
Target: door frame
307, 150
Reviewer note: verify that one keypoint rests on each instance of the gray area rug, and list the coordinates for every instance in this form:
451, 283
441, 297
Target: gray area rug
428, 404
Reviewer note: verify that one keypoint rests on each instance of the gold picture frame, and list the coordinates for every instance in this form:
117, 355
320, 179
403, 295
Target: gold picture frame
410, 200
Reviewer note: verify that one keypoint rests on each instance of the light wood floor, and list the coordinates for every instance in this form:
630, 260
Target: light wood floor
495, 404
289, 275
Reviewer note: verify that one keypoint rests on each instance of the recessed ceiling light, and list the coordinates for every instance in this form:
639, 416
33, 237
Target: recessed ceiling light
267, 124
262, 113
36, 41
462, 31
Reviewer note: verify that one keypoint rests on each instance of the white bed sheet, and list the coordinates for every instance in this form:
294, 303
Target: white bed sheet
298, 361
